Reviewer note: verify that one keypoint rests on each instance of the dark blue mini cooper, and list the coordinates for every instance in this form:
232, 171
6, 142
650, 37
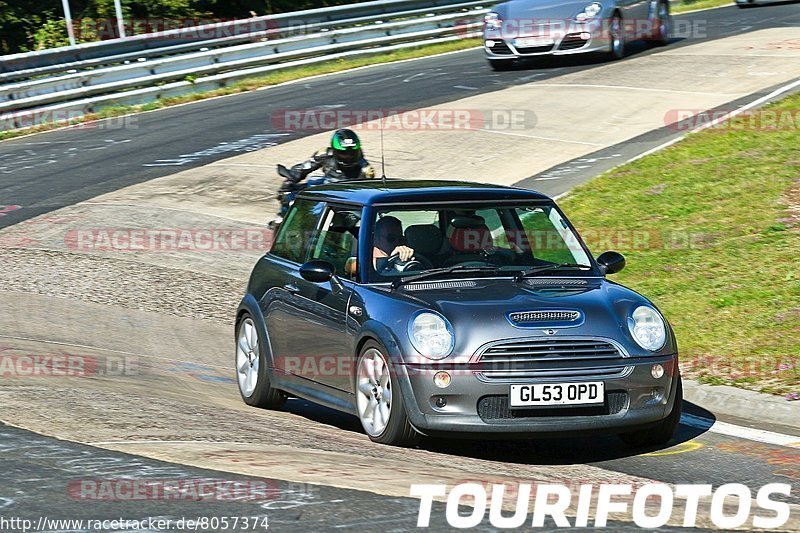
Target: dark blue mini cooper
449, 308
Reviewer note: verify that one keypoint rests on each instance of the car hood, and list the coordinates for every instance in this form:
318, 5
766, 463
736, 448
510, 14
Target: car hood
480, 313
541, 10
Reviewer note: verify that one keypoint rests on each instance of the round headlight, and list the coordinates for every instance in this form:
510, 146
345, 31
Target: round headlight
493, 21
431, 335
647, 328
590, 11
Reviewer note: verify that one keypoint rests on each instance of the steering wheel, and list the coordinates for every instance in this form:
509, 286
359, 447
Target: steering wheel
417, 263
497, 257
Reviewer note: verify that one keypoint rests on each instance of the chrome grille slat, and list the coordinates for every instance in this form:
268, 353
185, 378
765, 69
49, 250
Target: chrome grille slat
518, 352
513, 376
545, 360
536, 358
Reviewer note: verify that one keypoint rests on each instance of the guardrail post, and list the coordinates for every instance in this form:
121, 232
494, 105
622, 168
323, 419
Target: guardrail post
68, 20
120, 20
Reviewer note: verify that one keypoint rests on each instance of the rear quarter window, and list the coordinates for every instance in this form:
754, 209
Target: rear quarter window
297, 231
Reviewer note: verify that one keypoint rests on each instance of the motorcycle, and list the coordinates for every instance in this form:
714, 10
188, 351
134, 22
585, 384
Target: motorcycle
293, 184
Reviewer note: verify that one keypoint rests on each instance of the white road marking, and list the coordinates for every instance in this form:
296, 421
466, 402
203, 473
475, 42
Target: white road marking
740, 432
727, 116
536, 137
629, 88
253, 165
465, 87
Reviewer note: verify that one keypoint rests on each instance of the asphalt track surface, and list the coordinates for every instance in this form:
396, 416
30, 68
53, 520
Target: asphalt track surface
41, 476
45, 172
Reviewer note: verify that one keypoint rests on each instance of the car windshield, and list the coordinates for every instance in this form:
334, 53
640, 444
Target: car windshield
474, 240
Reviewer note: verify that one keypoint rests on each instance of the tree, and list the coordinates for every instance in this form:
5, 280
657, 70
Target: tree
39, 24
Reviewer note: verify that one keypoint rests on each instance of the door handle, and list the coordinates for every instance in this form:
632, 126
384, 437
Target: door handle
291, 288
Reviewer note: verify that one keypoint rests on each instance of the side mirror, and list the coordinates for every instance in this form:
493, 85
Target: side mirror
317, 271
611, 262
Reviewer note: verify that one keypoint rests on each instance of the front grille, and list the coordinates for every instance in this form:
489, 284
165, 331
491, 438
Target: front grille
501, 48
496, 408
548, 358
535, 49
572, 41
528, 317
440, 285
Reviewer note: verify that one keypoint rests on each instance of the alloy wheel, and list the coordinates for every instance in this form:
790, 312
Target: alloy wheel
374, 392
247, 360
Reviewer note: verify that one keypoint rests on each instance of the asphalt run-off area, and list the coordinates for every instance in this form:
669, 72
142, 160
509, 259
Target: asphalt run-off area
139, 383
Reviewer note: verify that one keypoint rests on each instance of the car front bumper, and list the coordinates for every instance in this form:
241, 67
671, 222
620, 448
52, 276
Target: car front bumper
634, 399
572, 41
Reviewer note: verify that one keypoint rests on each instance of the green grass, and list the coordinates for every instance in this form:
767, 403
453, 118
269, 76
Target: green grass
723, 257
250, 84
692, 5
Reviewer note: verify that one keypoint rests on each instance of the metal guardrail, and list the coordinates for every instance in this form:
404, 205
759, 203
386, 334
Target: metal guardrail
198, 44
137, 43
40, 100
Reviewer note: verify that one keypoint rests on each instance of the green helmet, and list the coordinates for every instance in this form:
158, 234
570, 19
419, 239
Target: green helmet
346, 148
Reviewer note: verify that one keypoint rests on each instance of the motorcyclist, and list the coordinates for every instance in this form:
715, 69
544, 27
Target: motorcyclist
342, 160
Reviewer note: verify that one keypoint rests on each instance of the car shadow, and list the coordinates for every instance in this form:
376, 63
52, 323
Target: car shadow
563, 450
540, 451
633, 48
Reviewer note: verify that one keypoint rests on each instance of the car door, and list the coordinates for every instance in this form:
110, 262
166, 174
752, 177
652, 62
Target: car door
327, 347
287, 326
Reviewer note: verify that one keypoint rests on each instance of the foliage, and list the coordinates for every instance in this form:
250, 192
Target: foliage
38, 24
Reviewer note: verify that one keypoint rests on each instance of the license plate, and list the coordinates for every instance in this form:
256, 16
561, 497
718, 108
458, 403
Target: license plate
557, 394
532, 42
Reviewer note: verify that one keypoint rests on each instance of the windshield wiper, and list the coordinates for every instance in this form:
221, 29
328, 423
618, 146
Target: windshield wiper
548, 268
442, 272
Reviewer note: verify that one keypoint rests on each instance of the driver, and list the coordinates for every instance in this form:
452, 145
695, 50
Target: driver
388, 236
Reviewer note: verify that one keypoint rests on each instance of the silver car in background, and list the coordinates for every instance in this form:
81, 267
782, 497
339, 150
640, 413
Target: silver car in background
520, 29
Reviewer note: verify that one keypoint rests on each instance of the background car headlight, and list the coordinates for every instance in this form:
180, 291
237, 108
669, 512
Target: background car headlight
589, 12
431, 335
493, 21
647, 328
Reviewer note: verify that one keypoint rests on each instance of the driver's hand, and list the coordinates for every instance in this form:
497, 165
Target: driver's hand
404, 252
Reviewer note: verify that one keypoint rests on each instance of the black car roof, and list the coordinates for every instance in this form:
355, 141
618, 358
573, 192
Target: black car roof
369, 192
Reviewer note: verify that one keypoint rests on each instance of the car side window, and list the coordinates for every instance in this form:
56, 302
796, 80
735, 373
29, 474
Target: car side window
337, 241
296, 232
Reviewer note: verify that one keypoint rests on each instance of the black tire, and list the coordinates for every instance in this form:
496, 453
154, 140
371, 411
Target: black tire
503, 64
265, 395
663, 432
617, 51
661, 38
398, 431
